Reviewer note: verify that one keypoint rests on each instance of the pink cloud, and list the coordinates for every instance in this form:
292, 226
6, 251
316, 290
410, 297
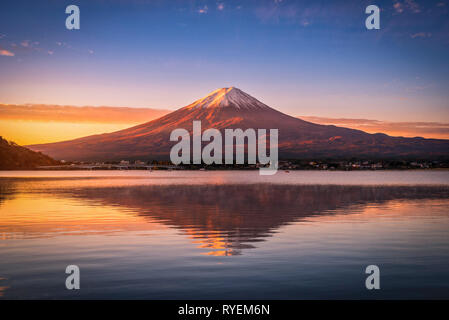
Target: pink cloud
6, 53
409, 5
398, 7
203, 10
57, 113
438, 130
25, 43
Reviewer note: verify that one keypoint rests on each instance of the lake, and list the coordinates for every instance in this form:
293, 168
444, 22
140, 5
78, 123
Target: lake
224, 234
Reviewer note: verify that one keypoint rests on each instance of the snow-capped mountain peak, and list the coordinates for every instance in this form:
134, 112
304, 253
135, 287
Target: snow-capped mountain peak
228, 97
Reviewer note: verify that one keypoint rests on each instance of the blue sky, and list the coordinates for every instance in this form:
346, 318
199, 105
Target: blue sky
301, 57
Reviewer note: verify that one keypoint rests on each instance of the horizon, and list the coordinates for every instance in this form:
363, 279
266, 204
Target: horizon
87, 120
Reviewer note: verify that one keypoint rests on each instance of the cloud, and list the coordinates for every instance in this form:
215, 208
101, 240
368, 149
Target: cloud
32, 46
57, 113
203, 10
29, 47
6, 53
409, 5
275, 12
25, 43
437, 130
63, 44
305, 13
413, 6
398, 7
421, 35
220, 6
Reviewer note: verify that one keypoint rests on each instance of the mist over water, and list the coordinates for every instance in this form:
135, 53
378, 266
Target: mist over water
188, 235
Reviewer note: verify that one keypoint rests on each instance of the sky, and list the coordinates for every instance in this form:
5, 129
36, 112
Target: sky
310, 58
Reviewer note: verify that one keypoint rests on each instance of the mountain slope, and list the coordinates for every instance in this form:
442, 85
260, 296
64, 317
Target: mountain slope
13, 156
233, 108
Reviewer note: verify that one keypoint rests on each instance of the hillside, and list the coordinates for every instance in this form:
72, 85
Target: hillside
13, 156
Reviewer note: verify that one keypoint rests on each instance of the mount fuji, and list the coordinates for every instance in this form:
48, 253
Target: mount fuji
231, 108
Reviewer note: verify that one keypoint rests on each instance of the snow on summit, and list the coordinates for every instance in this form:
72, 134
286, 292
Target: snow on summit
228, 97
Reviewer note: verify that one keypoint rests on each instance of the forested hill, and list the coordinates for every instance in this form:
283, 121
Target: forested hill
13, 156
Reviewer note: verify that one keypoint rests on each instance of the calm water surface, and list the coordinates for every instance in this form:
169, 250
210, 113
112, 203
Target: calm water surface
224, 234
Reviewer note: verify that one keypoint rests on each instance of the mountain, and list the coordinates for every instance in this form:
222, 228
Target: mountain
13, 156
232, 108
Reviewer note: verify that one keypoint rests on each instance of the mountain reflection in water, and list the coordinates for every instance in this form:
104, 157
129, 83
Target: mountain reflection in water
235, 217
230, 218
